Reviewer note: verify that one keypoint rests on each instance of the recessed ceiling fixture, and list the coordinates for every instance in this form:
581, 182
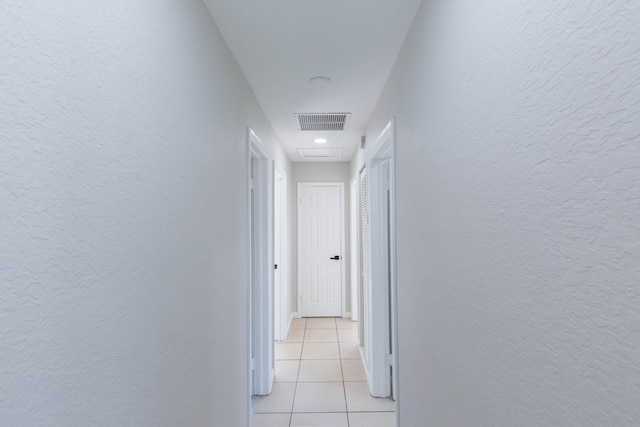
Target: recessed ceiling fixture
319, 81
320, 140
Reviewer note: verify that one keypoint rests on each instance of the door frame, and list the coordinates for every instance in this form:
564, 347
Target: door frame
382, 268
281, 290
261, 360
342, 243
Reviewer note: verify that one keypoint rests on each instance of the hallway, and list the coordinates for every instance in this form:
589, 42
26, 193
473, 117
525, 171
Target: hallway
320, 381
125, 208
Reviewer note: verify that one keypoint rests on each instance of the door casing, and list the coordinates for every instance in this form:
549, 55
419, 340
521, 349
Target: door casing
382, 267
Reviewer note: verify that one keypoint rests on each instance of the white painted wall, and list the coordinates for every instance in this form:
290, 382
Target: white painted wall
318, 172
518, 213
123, 216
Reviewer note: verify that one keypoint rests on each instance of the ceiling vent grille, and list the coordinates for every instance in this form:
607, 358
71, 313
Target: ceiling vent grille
323, 122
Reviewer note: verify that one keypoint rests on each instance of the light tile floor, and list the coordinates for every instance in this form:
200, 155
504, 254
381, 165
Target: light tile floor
320, 381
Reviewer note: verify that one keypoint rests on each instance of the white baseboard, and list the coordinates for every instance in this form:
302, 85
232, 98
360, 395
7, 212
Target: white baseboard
294, 315
367, 371
272, 377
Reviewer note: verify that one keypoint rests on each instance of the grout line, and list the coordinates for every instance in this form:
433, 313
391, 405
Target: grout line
295, 390
344, 391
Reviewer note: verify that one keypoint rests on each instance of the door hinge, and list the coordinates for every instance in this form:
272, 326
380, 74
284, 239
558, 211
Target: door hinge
253, 364
252, 184
388, 360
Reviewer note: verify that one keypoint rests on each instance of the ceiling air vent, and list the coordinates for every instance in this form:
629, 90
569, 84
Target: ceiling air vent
324, 121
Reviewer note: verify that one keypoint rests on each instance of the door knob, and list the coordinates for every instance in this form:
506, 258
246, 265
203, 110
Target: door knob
337, 257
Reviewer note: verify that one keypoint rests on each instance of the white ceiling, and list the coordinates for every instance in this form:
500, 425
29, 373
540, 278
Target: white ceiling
281, 44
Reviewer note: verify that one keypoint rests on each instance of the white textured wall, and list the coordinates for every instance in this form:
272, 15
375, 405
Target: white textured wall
518, 213
319, 172
123, 233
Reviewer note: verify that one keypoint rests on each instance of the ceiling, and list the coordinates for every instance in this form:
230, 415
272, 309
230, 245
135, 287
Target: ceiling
282, 44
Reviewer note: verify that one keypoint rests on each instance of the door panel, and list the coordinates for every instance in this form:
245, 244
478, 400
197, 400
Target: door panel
364, 263
320, 239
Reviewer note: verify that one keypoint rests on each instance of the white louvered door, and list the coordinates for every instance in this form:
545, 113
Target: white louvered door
364, 261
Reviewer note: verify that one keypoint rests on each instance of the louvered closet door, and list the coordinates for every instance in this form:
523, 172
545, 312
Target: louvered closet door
364, 259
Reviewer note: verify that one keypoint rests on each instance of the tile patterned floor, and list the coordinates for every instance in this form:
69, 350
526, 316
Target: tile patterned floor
320, 381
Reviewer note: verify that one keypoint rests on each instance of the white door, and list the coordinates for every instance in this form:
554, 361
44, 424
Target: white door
353, 247
364, 325
320, 248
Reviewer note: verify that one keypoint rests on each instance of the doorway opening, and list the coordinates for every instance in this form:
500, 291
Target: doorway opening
261, 262
280, 280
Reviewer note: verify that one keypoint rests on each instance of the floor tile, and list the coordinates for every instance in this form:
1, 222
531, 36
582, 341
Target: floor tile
352, 370
320, 350
319, 397
321, 323
298, 324
348, 335
270, 420
320, 335
287, 371
284, 351
295, 335
280, 399
320, 370
372, 419
359, 399
319, 420
349, 350
346, 324
318, 378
